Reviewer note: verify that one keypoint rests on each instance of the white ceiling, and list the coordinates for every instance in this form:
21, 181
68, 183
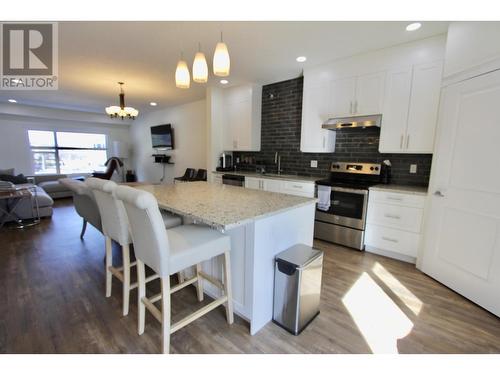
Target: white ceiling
93, 56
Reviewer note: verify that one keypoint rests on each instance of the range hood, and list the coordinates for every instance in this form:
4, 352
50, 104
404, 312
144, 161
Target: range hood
338, 123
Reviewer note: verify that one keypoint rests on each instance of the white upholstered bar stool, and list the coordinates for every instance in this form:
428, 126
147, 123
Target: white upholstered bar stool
115, 227
168, 252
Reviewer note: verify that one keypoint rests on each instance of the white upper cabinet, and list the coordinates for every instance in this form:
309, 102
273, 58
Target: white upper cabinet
410, 111
369, 94
424, 104
315, 103
395, 112
242, 118
341, 97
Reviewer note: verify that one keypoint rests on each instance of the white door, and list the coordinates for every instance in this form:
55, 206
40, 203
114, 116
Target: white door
314, 113
462, 232
342, 93
369, 94
422, 117
395, 113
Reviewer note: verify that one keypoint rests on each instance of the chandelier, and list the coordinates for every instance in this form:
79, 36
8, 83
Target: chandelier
122, 111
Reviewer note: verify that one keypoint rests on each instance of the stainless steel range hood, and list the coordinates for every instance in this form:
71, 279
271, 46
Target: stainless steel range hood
338, 123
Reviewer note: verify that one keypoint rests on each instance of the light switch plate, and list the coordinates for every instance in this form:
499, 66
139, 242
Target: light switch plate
314, 164
413, 168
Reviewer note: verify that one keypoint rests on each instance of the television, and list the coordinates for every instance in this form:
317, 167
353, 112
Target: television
162, 137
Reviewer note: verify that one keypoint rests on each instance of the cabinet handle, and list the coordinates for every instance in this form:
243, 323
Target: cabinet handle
391, 198
390, 239
407, 141
392, 216
351, 108
297, 186
323, 141
356, 106
401, 141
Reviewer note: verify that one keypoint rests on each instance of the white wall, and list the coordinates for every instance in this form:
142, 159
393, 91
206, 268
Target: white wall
190, 143
16, 120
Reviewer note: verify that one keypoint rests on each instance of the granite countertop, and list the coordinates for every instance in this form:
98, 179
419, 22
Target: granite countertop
272, 176
405, 189
222, 206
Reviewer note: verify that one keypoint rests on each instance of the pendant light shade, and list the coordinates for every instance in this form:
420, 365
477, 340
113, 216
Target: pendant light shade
221, 59
200, 68
182, 77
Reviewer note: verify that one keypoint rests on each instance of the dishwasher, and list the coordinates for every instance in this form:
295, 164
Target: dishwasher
233, 179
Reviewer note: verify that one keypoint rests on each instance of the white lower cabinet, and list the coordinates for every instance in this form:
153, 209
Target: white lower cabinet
393, 224
303, 189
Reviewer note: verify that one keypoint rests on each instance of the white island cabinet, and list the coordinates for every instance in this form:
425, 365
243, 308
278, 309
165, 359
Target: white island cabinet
281, 185
260, 224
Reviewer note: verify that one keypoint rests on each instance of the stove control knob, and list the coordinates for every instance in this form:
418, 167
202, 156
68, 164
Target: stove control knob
371, 168
376, 168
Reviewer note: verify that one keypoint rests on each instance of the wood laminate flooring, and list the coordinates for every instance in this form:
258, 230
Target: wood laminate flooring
52, 301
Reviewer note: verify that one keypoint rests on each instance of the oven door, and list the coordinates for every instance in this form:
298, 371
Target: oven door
347, 208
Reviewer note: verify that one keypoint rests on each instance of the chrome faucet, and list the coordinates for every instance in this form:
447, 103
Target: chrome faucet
277, 160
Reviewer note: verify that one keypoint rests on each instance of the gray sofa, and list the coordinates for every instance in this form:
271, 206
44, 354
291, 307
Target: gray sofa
50, 183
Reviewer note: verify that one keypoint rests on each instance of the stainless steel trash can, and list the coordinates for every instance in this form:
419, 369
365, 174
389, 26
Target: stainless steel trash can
297, 287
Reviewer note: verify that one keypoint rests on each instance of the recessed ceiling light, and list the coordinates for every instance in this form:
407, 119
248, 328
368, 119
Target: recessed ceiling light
224, 81
301, 59
12, 101
413, 26
153, 104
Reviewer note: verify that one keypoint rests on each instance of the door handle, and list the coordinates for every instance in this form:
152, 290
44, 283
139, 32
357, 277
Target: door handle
438, 193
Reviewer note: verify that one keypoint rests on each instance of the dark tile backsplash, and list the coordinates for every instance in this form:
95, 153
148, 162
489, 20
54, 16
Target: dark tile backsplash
281, 122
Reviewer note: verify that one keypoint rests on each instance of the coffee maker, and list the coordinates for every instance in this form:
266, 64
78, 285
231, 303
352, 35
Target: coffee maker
225, 162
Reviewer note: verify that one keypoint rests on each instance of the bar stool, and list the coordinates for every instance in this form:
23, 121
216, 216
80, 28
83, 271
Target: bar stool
168, 252
115, 227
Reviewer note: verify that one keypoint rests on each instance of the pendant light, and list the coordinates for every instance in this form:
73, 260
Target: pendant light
200, 67
221, 59
122, 111
182, 77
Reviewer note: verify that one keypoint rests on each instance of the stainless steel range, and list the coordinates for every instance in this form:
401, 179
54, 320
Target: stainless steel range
343, 198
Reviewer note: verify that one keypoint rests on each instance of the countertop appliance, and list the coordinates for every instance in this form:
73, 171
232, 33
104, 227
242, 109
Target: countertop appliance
345, 219
233, 179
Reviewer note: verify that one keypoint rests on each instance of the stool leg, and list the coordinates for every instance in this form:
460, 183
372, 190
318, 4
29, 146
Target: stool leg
126, 278
227, 288
165, 314
109, 263
199, 284
141, 292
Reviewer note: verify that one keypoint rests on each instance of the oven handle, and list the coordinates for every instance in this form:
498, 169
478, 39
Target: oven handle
348, 190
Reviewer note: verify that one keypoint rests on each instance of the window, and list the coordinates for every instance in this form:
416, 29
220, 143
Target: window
66, 152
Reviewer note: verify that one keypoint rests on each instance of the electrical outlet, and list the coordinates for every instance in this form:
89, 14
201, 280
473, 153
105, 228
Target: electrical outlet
314, 164
413, 168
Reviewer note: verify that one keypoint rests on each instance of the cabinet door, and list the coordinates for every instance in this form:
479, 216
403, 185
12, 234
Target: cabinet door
395, 112
243, 126
253, 183
314, 113
272, 185
369, 94
422, 117
342, 93
230, 123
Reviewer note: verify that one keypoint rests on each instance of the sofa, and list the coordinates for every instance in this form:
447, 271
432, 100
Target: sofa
50, 183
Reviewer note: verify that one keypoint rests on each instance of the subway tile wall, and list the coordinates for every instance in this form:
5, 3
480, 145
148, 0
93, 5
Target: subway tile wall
281, 122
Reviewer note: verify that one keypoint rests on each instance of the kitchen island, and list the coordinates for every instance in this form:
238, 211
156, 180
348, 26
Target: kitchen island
261, 224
